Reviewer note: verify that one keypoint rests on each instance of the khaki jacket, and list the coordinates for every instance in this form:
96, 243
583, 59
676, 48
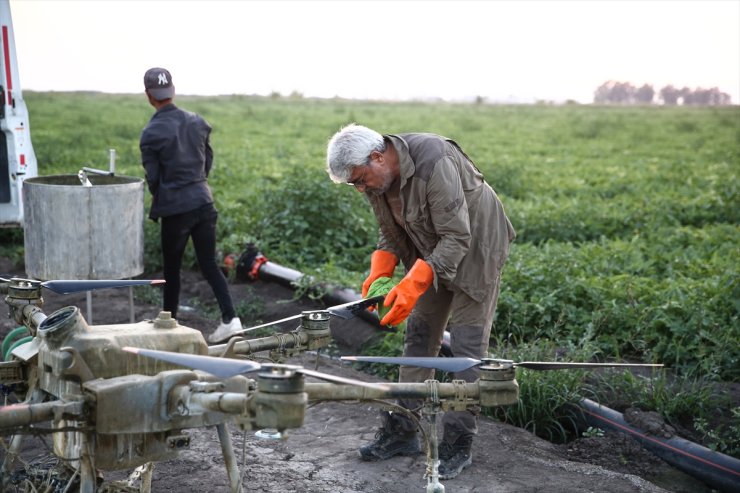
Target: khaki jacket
452, 217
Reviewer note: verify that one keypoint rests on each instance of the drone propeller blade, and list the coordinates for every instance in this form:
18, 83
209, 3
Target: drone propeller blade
555, 365
77, 286
220, 367
227, 367
461, 364
445, 364
345, 310
354, 308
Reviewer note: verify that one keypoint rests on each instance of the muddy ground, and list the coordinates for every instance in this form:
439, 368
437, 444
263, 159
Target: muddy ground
322, 455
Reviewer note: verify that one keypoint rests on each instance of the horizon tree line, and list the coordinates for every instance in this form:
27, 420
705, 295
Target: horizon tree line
614, 92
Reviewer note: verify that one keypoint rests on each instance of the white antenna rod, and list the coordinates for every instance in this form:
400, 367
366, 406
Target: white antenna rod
112, 166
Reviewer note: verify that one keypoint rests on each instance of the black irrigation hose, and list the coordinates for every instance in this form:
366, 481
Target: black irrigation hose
717, 470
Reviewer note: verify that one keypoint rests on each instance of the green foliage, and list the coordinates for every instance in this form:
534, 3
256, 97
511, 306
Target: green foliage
390, 344
547, 399
669, 296
151, 295
307, 220
725, 439
11, 244
591, 432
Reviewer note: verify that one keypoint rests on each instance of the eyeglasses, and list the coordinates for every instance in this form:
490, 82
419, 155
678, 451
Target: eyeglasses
359, 182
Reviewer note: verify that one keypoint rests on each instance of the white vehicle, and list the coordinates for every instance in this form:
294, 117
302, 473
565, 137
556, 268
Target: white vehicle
17, 160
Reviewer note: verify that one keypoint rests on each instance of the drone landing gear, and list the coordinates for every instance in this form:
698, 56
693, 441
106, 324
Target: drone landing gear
227, 450
431, 410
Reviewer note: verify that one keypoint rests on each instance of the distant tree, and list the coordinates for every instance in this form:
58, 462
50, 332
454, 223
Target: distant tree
624, 93
645, 94
686, 96
719, 98
601, 95
615, 92
670, 95
706, 97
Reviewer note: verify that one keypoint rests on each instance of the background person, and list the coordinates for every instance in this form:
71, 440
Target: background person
437, 214
177, 156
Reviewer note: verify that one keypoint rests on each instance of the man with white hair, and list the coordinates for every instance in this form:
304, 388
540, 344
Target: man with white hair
445, 224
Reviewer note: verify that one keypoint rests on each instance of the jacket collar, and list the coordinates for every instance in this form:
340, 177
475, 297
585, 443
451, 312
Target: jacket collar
406, 165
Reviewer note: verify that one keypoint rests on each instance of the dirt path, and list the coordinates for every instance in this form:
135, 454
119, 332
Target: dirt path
322, 455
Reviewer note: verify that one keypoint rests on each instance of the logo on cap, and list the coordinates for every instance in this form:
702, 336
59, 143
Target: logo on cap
162, 79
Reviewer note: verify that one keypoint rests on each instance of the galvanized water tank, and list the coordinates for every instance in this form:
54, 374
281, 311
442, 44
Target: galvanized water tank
77, 232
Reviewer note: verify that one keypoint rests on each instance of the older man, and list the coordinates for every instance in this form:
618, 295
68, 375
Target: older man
440, 218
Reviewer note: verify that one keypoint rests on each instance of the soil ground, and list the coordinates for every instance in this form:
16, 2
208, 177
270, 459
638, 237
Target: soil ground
322, 455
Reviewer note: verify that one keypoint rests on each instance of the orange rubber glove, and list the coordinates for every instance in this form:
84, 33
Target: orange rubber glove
382, 264
404, 296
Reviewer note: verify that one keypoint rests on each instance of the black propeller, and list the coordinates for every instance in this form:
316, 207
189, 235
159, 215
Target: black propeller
227, 367
77, 286
345, 311
460, 364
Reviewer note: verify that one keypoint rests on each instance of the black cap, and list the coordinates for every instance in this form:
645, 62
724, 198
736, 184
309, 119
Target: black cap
158, 82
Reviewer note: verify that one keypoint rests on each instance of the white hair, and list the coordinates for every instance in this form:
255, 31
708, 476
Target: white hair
351, 147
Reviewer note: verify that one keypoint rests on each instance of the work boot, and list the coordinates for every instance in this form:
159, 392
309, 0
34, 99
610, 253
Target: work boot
397, 436
453, 458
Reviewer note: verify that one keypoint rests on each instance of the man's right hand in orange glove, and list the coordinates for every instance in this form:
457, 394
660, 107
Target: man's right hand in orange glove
404, 296
382, 264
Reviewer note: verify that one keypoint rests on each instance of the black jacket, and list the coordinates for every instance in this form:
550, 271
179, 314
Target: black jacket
177, 156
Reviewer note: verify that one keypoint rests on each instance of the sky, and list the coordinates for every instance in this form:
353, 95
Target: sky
455, 50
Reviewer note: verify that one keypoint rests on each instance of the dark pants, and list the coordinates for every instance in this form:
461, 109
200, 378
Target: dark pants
469, 323
200, 224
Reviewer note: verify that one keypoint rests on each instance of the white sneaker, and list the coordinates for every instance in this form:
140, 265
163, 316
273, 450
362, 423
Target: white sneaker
226, 331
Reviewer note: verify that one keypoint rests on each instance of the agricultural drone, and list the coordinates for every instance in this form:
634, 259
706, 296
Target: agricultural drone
121, 397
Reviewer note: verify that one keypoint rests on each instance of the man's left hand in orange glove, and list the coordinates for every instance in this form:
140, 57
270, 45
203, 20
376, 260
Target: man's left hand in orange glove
406, 293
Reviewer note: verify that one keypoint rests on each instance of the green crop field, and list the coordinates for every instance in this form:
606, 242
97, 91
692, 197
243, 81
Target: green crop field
628, 218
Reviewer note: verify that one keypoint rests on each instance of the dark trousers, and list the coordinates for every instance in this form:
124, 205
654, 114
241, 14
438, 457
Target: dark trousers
200, 225
469, 323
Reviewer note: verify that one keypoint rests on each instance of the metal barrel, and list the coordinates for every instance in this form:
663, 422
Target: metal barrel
83, 232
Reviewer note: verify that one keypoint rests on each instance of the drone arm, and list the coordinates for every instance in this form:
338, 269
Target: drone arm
290, 339
32, 317
287, 340
494, 388
332, 392
24, 313
19, 415
221, 402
